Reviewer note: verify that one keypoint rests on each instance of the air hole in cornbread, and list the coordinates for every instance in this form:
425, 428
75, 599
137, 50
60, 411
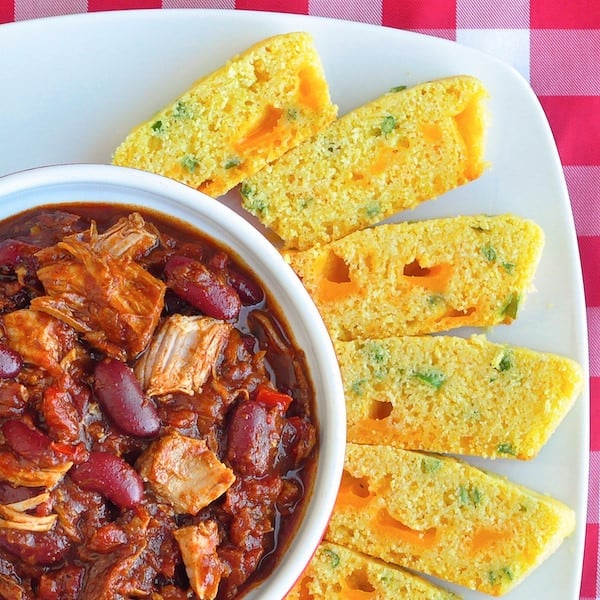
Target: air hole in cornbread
358, 580
434, 278
336, 282
380, 410
354, 491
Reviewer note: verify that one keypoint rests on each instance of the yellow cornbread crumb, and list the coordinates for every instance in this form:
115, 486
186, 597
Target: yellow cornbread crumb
338, 573
422, 277
232, 122
453, 395
391, 154
441, 516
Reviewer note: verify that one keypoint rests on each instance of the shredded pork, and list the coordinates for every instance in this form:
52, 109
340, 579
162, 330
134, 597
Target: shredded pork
184, 472
182, 354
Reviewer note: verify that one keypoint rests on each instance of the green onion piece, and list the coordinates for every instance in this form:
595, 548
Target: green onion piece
469, 495
511, 306
358, 387
398, 88
388, 124
506, 448
430, 465
509, 267
333, 557
372, 209
189, 162
233, 162
432, 377
181, 110
505, 362
156, 126
489, 253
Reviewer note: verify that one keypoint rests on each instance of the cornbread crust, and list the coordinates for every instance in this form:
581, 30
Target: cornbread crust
403, 148
337, 572
232, 122
441, 516
453, 395
422, 277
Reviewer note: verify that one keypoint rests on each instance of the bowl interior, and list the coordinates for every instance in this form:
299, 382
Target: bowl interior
118, 185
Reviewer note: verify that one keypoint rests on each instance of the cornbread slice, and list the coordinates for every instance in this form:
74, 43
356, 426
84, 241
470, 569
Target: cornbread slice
232, 122
422, 277
453, 395
441, 516
386, 156
337, 572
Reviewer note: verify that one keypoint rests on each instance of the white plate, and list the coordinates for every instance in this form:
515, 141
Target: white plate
72, 87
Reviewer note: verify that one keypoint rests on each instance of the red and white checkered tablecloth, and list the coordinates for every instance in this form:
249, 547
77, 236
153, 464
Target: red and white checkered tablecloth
555, 44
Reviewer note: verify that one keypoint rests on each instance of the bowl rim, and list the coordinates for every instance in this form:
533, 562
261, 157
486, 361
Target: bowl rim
261, 256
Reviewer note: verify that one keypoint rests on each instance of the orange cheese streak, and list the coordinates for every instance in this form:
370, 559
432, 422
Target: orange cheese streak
487, 537
355, 494
396, 529
264, 133
312, 89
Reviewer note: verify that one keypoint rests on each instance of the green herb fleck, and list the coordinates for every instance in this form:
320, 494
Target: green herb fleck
509, 267
254, 203
157, 126
189, 162
378, 357
398, 88
506, 448
372, 209
435, 299
233, 162
496, 577
432, 377
469, 495
505, 362
292, 114
333, 557
181, 110
358, 387
388, 124
430, 465
511, 306
489, 253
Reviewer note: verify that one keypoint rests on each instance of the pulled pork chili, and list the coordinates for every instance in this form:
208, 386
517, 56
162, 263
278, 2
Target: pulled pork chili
156, 421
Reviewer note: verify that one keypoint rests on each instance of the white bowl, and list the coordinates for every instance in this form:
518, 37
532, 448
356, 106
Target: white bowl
118, 185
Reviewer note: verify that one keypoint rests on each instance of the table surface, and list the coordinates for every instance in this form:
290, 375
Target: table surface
554, 44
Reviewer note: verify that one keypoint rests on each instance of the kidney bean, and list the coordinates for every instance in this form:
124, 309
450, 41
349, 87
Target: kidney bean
33, 548
253, 438
202, 288
62, 584
121, 397
28, 442
10, 494
13, 399
12, 252
11, 362
249, 291
110, 476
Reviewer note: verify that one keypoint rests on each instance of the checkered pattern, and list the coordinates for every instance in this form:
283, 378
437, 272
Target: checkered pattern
554, 44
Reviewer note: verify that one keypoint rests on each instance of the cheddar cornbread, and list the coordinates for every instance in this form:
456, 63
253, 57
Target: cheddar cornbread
405, 147
439, 515
454, 395
422, 277
338, 573
232, 122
